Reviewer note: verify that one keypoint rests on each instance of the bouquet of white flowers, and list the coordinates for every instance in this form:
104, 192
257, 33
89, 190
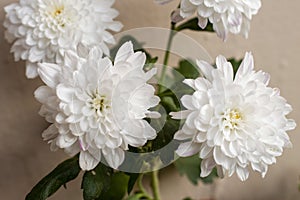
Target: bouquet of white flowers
120, 114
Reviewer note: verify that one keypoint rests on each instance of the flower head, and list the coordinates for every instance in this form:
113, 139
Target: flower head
42, 30
232, 16
226, 16
233, 122
96, 107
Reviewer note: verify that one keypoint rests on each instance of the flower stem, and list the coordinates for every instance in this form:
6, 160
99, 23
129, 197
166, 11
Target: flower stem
167, 55
155, 185
142, 189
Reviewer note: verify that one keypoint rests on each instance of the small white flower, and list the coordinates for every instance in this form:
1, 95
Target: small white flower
97, 108
233, 122
226, 16
42, 30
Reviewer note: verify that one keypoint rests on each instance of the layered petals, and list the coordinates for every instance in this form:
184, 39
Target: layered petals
233, 123
42, 30
97, 108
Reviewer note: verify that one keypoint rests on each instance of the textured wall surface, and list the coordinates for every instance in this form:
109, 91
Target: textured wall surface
275, 43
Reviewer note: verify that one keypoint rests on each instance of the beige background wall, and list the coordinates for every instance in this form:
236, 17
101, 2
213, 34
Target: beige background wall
275, 42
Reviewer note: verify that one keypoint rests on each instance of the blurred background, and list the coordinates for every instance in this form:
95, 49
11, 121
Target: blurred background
275, 43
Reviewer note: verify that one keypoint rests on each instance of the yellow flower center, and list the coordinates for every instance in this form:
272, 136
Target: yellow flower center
232, 118
58, 11
99, 102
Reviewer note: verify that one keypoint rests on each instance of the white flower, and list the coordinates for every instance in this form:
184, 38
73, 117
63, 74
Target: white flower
226, 15
42, 30
233, 122
97, 108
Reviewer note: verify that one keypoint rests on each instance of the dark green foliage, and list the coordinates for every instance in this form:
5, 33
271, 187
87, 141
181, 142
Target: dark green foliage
135, 196
210, 178
132, 180
188, 69
235, 64
103, 183
190, 166
118, 187
192, 24
62, 174
96, 182
187, 198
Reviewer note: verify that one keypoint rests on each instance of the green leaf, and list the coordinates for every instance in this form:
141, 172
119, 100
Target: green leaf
170, 98
190, 166
165, 136
118, 187
188, 69
135, 196
96, 182
63, 173
235, 64
192, 24
170, 103
299, 183
132, 179
187, 198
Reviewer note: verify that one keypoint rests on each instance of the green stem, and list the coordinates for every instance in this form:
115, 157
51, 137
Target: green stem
142, 189
167, 55
155, 185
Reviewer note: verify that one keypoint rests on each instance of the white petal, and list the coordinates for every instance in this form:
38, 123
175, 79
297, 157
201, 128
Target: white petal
246, 66
187, 102
207, 166
124, 52
221, 159
188, 149
180, 135
114, 157
43, 93
206, 69
180, 115
242, 173
225, 67
65, 93
205, 151
137, 60
190, 82
49, 73
202, 22
50, 133
89, 161
187, 8
31, 70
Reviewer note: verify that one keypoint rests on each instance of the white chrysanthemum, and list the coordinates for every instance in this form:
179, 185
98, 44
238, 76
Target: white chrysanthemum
233, 122
226, 15
42, 30
97, 108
